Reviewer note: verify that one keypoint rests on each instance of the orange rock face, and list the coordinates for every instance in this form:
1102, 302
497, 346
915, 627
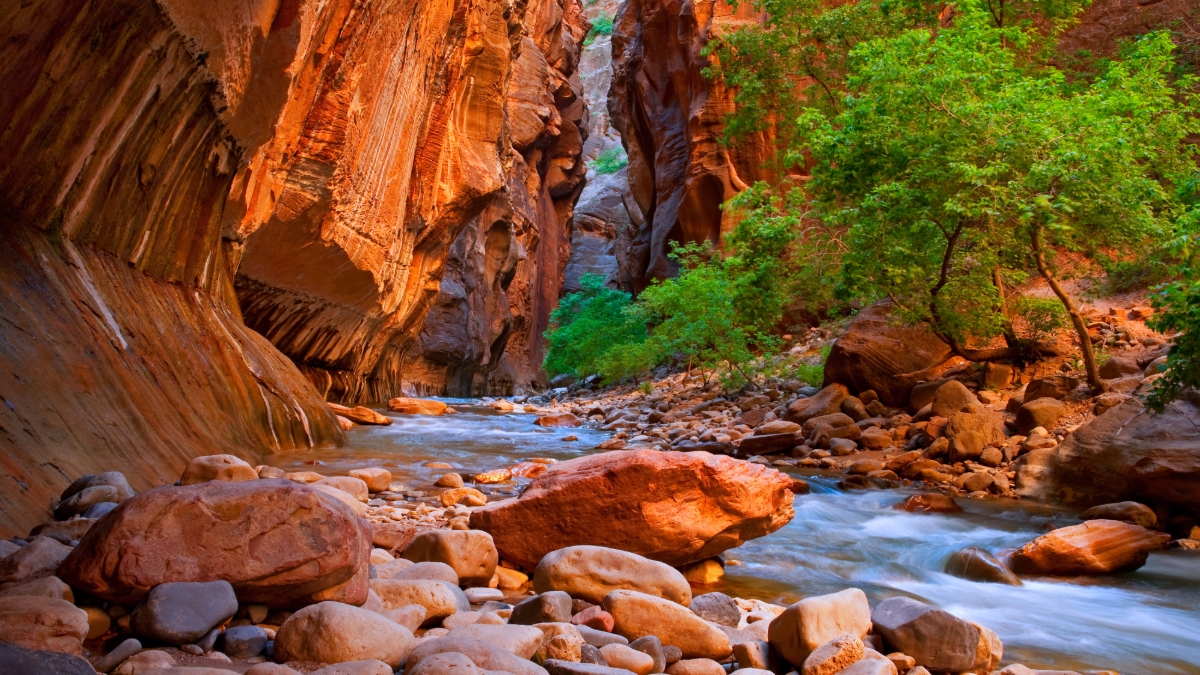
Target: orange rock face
1093, 547
416, 406
674, 507
276, 542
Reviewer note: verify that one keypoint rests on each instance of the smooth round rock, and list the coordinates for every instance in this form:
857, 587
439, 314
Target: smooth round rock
179, 613
636, 615
479, 595
243, 642
352, 486
43, 624
592, 572
695, 667
620, 656
377, 478
145, 662
333, 632
217, 467
471, 553
717, 608
439, 598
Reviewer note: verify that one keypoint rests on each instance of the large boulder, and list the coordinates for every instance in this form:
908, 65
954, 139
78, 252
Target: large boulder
333, 632
936, 639
1093, 547
591, 572
277, 542
416, 406
879, 353
470, 553
1126, 453
1041, 412
637, 615
42, 557
812, 622
674, 507
44, 624
828, 401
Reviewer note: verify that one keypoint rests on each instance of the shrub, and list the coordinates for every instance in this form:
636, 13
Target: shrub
610, 161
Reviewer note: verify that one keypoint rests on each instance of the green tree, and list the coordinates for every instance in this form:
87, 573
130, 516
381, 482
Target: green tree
1178, 305
594, 331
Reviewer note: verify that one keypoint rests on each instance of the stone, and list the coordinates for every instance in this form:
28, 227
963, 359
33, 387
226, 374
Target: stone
439, 598
561, 641
1090, 548
991, 456
217, 467
953, 397
976, 481
652, 647
145, 662
465, 495
979, 565
180, 613
483, 654
269, 668
812, 622
546, 607
569, 668
380, 557
876, 439
409, 616
446, 663
392, 568
598, 638
559, 420
1128, 512
754, 654
637, 615
594, 617
966, 446
854, 407
877, 353
833, 656
333, 632
471, 553
376, 478
450, 480
1107, 401
510, 579
620, 656
989, 651
840, 447
117, 656
777, 427
43, 624
1055, 387
393, 537
1041, 412
21, 661
864, 466
361, 415
42, 557
1119, 366
416, 406
478, 596
825, 402
352, 486
97, 511
84, 500
591, 572
342, 496
717, 608
870, 667
695, 667
760, 444
65, 531
460, 619
275, 541
44, 587
99, 622
367, 667
934, 638
520, 640
710, 570
243, 642
673, 507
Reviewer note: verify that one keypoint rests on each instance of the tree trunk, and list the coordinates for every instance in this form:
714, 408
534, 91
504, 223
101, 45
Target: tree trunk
1085, 340
1010, 335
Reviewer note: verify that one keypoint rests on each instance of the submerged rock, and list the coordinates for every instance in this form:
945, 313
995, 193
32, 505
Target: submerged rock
936, 639
673, 507
979, 565
416, 406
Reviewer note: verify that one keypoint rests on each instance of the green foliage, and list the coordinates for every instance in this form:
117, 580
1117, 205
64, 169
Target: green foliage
610, 161
594, 331
813, 373
646, 387
1043, 316
1178, 311
601, 25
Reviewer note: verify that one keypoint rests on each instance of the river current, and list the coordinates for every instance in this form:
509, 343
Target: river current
1142, 623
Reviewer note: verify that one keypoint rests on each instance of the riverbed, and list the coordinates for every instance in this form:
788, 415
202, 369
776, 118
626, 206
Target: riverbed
1142, 623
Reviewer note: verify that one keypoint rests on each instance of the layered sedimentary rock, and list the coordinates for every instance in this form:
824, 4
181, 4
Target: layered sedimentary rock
122, 342
670, 118
503, 272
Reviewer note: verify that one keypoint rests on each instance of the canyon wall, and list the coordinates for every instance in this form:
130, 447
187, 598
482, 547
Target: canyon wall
181, 171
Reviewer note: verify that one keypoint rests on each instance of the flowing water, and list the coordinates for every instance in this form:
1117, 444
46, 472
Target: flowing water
1143, 623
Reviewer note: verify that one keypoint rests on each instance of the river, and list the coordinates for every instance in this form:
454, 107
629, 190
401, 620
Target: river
1143, 623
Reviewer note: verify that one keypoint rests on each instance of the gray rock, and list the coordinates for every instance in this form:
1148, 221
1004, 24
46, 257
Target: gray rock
243, 642
550, 607
598, 638
937, 639
652, 647
118, 655
979, 565
209, 641
592, 655
99, 510
672, 654
20, 661
180, 612
556, 667
493, 606
717, 608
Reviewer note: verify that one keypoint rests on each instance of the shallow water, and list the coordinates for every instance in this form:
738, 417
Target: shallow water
1143, 623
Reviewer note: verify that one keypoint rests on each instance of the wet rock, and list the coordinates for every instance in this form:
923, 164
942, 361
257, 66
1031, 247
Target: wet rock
376, 478
333, 632
591, 572
1128, 512
520, 640
672, 507
471, 553
243, 642
43, 587
547, 607
833, 656
352, 486
217, 467
717, 608
273, 540
361, 415
42, 557
934, 638
416, 406
1042, 412
22, 661
1093, 547
812, 622
929, 503
826, 402
182, 613
637, 615
483, 654
559, 420
464, 495
450, 480
43, 624
439, 598
695, 667
979, 565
